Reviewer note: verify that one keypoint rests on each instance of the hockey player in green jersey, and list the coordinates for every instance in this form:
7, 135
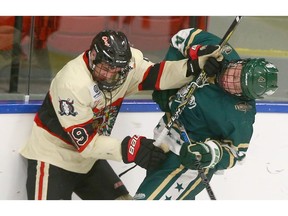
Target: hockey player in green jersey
218, 119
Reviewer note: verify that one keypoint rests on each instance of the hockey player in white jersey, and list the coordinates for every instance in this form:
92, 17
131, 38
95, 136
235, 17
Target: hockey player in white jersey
70, 139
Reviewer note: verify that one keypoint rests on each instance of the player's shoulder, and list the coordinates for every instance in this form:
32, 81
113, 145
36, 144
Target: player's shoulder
77, 67
136, 53
138, 58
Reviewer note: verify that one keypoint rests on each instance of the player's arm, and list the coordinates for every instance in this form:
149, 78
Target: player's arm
212, 154
232, 154
172, 74
182, 41
135, 149
219, 154
230, 150
68, 115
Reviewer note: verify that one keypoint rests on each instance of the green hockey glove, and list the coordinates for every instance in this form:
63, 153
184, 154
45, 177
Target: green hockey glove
207, 153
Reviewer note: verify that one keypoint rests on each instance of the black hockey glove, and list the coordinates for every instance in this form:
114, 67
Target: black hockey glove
142, 151
208, 154
198, 55
212, 67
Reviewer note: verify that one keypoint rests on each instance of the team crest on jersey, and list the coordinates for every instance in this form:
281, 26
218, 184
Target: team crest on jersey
181, 96
105, 119
67, 108
243, 106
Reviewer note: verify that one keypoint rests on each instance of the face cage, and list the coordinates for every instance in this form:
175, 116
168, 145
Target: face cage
115, 82
230, 78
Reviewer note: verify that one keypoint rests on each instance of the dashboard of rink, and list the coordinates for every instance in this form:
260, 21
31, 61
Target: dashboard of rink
263, 175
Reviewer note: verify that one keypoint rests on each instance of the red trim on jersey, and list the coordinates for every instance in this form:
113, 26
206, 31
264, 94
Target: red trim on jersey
85, 58
160, 72
79, 125
41, 177
68, 130
193, 52
157, 84
80, 148
40, 124
140, 86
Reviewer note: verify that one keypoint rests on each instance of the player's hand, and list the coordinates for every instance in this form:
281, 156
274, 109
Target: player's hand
208, 154
198, 56
212, 67
142, 151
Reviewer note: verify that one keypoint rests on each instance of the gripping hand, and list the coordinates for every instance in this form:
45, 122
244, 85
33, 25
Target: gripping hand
212, 67
200, 54
208, 154
142, 151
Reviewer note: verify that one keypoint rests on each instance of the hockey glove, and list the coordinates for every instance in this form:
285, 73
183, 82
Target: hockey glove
198, 55
142, 151
212, 67
208, 154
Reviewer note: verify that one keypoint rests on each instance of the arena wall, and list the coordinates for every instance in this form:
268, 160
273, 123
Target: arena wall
262, 176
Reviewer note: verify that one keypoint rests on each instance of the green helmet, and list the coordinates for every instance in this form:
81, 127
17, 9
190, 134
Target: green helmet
258, 78
248, 78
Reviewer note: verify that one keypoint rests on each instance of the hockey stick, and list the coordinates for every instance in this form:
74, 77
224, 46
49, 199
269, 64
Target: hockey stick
203, 177
201, 79
230, 31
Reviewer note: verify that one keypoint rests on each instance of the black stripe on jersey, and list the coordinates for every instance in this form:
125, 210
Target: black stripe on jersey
151, 79
49, 119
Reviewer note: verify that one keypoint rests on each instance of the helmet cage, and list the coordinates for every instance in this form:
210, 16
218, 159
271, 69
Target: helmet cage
112, 84
230, 78
255, 78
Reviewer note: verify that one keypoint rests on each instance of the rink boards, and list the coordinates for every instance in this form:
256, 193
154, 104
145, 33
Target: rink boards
262, 176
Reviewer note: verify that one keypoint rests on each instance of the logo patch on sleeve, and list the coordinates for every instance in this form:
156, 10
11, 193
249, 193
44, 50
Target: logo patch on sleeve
66, 107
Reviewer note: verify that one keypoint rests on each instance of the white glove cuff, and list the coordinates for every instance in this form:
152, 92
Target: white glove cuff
173, 141
216, 152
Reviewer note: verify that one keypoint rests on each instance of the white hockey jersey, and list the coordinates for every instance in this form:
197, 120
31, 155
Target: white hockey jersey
72, 128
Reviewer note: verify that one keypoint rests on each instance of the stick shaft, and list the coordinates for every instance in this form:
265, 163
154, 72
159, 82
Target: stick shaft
230, 31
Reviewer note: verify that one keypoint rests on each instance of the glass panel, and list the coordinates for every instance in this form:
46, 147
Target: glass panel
34, 49
56, 40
